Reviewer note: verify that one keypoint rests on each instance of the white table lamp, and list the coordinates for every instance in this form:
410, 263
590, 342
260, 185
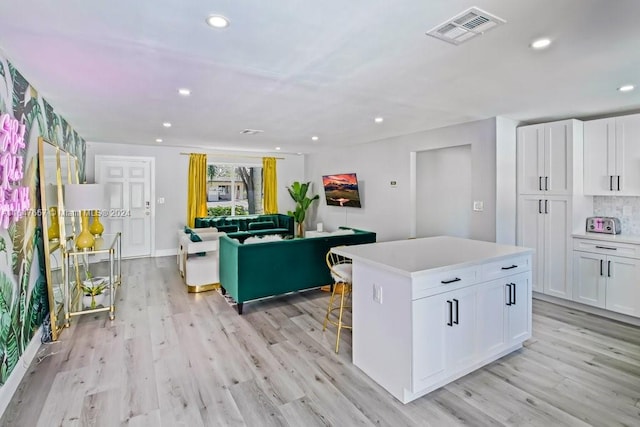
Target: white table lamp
83, 198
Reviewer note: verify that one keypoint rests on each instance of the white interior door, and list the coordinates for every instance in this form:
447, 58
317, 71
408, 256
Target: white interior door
129, 189
443, 192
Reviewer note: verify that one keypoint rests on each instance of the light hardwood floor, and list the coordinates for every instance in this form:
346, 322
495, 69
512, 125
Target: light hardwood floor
172, 358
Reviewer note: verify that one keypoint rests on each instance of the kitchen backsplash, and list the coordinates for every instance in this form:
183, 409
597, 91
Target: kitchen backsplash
627, 209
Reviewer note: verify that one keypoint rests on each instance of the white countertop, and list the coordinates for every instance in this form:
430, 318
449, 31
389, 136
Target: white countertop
414, 256
621, 238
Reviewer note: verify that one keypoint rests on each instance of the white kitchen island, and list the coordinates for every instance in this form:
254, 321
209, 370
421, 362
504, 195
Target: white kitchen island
428, 311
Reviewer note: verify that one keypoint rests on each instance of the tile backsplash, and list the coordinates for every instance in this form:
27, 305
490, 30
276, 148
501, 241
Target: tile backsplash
626, 209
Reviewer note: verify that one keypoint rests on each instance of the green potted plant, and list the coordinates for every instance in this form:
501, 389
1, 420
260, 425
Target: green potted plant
93, 291
298, 192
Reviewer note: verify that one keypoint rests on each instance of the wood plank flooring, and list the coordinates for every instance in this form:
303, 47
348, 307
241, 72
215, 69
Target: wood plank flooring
172, 358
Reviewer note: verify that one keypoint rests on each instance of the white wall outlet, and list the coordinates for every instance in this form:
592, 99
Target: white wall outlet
393, 184
478, 205
377, 293
161, 200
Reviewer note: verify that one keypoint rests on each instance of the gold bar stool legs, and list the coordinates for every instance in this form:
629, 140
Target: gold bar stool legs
340, 269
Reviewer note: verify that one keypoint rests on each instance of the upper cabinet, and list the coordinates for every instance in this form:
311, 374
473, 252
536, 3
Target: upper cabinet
612, 156
545, 157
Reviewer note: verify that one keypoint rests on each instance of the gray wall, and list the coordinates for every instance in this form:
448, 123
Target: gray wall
171, 182
506, 197
386, 208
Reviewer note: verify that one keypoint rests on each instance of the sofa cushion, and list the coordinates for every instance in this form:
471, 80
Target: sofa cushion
227, 228
195, 238
261, 225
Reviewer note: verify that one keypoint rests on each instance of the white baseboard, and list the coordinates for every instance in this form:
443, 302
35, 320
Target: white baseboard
10, 387
166, 252
589, 309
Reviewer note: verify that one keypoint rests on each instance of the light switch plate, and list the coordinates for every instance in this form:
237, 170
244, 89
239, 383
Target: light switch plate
160, 200
478, 205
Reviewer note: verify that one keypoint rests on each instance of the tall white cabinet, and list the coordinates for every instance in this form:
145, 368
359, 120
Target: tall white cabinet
551, 204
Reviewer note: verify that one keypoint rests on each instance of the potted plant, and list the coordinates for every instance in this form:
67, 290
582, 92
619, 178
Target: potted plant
93, 291
298, 192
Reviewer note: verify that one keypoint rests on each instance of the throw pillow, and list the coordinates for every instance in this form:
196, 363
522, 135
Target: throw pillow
187, 230
195, 238
261, 225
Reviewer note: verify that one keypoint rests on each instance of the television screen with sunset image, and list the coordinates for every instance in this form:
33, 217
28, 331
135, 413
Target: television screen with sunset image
341, 190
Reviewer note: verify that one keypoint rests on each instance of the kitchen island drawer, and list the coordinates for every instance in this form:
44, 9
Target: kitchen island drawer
433, 283
505, 267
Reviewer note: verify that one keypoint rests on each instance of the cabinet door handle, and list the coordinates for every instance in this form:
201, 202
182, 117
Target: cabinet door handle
514, 294
607, 248
510, 268
446, 282
457, 312
618, 182
539, 206
509, 290
546, 206
546, 183
540, 183
608, 268
601, 263
450, 322
611, 182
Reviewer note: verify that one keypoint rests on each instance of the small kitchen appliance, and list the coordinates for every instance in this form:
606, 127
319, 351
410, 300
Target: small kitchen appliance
603, 224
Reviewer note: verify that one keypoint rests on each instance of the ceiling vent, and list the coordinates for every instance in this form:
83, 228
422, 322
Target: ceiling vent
251, 131
466, 25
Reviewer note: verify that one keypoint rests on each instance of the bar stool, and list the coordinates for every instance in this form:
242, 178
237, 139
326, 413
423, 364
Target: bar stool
340, 268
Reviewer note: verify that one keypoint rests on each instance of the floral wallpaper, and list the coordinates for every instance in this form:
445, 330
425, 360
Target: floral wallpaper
23, 289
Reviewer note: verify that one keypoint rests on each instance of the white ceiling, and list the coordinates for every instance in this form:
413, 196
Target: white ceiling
300, 68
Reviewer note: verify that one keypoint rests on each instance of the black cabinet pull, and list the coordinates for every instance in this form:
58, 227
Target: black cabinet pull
509, 290
607, 248
540, 206
514, 294
618, 182
611, 182
450, 322
446, 282
608, 268
601, 262
509, 268
546, 206
540, 183
546, 183
457, 312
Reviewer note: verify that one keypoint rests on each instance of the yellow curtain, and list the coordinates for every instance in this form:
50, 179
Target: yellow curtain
270, 185
197, 190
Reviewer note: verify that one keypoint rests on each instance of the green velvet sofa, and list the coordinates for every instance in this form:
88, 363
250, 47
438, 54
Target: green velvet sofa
258, 270
241, 227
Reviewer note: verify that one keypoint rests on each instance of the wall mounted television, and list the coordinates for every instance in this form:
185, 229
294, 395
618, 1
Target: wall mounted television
342, 190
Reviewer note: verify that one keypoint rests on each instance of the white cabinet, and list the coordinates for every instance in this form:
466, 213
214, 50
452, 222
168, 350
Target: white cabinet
604, 280
453, 330
544, 224
612, 156
545, 157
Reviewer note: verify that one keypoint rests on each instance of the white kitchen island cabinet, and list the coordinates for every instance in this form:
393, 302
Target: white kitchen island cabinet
428, 311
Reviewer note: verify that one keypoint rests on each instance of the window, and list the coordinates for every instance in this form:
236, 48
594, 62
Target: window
234, 189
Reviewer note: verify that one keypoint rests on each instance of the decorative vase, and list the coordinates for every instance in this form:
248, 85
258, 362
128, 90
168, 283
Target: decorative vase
96, 226
53, 231
85, 240
89, 301
300, 232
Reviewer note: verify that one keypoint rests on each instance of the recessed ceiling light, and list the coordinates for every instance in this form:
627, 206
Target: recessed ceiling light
166, 124
218, 21
378, 120
158, 139
278, 148
541, 44
184, 91
626, 88
314, 138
